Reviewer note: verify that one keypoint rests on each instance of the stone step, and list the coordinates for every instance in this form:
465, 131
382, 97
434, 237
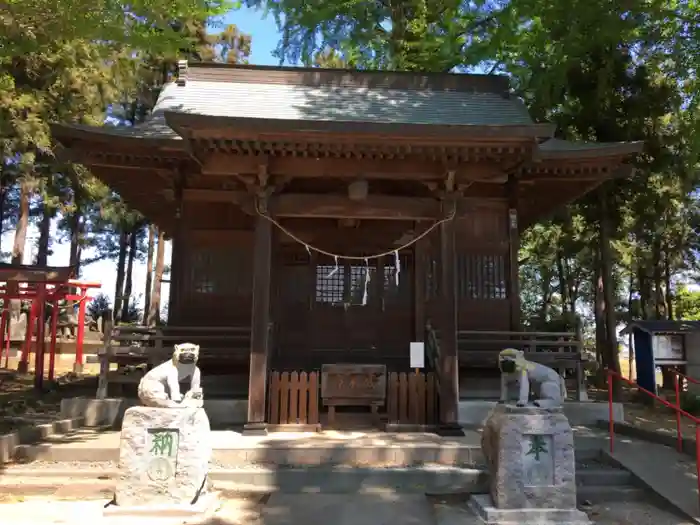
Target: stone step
33, 430
77, 448
332, 480
604, 477
281, 455
606, 494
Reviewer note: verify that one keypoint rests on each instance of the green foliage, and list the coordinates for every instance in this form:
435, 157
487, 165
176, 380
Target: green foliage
686, 304
99, 306
690, 402
27, 26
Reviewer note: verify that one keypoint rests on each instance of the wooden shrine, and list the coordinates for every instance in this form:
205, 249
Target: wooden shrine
332, 217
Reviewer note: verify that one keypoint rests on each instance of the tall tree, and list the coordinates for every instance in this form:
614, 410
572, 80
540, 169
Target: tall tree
155, 310
149, 273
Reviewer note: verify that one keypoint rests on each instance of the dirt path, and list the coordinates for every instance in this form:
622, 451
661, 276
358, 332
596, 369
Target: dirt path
21, 405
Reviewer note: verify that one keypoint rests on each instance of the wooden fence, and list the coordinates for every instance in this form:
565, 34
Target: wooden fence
412, 399
294, 398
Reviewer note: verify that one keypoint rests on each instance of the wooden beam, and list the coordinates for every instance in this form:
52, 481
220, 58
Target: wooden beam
260, 324
138, 161
217, 163
341, 207
205, 195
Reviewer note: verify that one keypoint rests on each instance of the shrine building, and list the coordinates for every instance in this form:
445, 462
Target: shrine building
323, 217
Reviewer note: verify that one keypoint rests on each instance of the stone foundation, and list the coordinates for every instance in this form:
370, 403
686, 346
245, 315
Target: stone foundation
530, 455
164, 457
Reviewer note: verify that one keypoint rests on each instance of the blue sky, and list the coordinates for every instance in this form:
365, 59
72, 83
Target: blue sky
263, 30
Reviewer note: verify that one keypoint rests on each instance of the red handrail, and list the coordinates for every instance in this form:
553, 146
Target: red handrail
677, 387
612, 375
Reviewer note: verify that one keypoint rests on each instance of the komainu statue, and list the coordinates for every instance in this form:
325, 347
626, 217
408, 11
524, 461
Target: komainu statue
547, 383
160, 387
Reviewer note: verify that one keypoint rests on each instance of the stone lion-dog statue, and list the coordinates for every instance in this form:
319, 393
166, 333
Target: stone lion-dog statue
547, 383
160, 387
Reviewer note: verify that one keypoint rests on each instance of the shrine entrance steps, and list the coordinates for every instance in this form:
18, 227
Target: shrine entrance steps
85, 462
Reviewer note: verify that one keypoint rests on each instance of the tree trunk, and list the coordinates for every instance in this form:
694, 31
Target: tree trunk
563, 283
133, 238
76, 233
658, 290
20, 241
149, 274
3, 201
610, 350
668, 295
22, 224
154, 311
546, 296
599, 313
644, 291
42, 256
119, 285
630, 340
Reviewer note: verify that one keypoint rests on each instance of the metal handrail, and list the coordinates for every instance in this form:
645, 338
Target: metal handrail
612, 375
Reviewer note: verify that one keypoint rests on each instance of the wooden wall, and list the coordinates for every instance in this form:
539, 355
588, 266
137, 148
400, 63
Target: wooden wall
319, 311
332, 314
481, 266
217, 281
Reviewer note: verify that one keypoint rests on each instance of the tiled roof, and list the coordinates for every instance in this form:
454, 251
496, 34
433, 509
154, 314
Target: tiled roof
663, 326
324, 103
349, 104
556, 148
153, 128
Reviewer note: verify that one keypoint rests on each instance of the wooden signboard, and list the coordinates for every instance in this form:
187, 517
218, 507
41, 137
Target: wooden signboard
362, 382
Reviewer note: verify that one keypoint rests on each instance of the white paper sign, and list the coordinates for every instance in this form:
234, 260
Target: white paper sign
417, 354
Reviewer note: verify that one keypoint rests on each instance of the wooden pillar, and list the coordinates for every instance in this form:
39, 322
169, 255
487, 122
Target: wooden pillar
513, 281
177, 253
260, 325
420, 251
448, 365
40, 347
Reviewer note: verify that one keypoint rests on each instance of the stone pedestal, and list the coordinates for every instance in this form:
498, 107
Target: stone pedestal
530, 455
164, 461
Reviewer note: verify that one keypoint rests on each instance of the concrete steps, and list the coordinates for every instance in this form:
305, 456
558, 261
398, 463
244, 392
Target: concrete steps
597, 482
600, 481
34, 430
231, 450
54, 478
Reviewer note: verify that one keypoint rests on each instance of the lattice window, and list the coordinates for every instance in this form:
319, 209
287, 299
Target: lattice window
359, 284
330, 284
222, 271
397, 282
481, 276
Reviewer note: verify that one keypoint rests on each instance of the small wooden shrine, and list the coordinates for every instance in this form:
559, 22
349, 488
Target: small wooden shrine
331, 216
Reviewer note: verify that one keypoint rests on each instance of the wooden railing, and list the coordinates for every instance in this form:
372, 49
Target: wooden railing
412, 399
294, 399
561, 351
134, 345
138, 344
555, 349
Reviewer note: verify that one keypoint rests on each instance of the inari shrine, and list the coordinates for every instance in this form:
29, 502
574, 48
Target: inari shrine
43, 288
323, 220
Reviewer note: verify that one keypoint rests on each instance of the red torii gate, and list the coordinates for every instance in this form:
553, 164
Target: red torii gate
41, 285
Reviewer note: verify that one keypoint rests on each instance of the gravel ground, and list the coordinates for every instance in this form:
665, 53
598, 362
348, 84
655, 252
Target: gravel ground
633, 513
